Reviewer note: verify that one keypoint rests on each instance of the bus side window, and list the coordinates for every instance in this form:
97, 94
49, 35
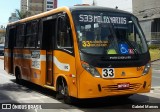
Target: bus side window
64, 38
7, 37
10, 36
20, 38
31, 34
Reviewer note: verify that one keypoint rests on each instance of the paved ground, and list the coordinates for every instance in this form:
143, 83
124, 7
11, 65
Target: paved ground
156, 77
1, 57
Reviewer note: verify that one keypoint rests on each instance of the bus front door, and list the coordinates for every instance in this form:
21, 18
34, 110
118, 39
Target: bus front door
49, 67
48, 44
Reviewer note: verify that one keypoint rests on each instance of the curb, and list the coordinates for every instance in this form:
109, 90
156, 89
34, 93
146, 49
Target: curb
155, 60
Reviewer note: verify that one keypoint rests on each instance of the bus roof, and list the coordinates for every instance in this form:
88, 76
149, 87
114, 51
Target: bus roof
73, 8
41, 15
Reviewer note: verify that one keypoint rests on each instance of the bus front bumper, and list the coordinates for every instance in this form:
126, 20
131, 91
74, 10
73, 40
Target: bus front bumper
92, 87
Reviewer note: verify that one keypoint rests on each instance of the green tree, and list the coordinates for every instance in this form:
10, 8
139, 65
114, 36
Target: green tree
21, 14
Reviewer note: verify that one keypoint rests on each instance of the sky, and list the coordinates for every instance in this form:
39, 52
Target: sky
8, 6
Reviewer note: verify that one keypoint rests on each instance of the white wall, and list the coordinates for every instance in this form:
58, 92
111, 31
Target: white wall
146, 27
122, 4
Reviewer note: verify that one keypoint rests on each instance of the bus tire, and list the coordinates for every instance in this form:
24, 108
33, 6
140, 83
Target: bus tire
62, 91
18, 76
125, 96
67, 99
59, 94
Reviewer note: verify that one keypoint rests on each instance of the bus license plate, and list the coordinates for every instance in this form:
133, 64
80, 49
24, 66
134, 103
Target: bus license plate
123, 85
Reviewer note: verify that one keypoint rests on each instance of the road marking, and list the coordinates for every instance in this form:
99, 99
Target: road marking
7, 101
12, 99
36, 98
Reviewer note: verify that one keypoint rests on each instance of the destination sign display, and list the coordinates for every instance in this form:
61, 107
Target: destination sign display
102, 19
95, 43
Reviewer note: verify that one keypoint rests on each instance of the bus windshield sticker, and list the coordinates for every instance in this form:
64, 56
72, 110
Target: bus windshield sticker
102, 19
123, 48
95, 43
131, 51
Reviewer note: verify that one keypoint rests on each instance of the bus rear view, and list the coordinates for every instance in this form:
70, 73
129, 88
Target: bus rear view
113, 53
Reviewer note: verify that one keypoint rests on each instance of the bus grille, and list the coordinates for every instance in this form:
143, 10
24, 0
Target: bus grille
114, 88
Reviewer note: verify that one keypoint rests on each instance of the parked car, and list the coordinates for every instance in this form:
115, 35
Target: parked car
1, 49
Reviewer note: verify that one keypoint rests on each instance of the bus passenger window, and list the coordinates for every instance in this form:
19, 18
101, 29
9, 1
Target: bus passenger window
28, 35
31, 34
20, 36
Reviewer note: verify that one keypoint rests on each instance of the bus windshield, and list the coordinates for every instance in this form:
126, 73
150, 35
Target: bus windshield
106, 33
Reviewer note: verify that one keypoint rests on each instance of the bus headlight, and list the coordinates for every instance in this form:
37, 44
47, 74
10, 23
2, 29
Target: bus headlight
92, 70
146, 69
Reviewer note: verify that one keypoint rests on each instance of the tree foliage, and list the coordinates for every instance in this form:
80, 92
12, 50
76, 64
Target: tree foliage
21, 14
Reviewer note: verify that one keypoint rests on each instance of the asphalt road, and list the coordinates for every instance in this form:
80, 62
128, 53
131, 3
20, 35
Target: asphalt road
11, 92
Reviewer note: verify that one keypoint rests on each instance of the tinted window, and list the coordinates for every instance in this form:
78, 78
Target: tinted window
20, 36
7, 37
31, 34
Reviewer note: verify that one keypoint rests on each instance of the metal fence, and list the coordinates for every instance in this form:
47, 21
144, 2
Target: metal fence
155, 36
155, 39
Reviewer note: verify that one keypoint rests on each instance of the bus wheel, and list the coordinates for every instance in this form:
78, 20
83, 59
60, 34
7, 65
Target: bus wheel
124, 97
67, 98
63, 92
18, 76
59, 94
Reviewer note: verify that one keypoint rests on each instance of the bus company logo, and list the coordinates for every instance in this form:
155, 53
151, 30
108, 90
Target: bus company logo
6, 106
123, 73
66, 67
